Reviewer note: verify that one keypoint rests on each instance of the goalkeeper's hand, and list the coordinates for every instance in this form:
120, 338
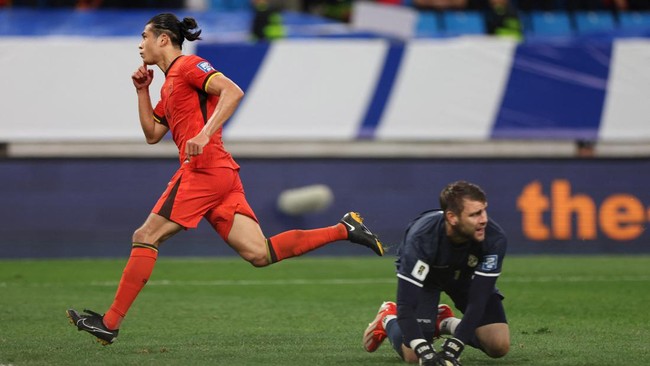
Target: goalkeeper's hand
426, 354
449, 355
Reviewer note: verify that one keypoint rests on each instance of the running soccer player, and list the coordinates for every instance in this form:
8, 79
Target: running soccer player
196, 100
456, 250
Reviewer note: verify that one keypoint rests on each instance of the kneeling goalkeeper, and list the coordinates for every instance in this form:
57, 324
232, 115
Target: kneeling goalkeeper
459, 251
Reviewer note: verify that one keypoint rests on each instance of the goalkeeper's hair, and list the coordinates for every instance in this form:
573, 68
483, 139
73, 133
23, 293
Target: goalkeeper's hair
452, 196
177, 30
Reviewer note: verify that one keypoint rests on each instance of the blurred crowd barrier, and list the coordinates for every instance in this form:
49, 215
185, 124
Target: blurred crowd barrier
66, 79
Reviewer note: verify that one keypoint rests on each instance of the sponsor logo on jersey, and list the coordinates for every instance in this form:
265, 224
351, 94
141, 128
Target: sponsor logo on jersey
205, 66
490, 262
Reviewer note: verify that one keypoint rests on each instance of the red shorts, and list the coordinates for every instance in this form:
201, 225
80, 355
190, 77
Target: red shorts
214, 193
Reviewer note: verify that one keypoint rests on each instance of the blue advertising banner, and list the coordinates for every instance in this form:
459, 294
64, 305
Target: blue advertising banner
90, 207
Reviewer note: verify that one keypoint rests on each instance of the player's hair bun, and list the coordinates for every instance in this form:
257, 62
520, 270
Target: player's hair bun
189, 29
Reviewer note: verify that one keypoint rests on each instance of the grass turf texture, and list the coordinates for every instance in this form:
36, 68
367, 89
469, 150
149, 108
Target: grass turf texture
312, 311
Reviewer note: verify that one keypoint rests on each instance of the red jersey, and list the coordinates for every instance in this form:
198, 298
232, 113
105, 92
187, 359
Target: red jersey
185, 107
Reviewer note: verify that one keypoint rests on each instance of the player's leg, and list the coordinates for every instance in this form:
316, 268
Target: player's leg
245, 236
157, 228
139, 267
493, 336
236, 223
375, 332
136, 273
173, 207
494, 339
385, 326
247, 239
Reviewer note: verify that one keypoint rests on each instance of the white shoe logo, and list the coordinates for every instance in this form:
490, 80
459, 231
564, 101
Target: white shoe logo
349, 226
91, 327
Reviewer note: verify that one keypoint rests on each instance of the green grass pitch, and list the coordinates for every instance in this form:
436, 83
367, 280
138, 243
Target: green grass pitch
563, 310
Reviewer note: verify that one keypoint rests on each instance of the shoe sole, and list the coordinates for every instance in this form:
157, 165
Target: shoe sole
369, 332
368, 337
99, 340
380, 247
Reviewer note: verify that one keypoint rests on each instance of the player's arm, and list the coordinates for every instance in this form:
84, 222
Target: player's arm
410, 289
152, 129
408, 293
412, 272
481, 288
229, 97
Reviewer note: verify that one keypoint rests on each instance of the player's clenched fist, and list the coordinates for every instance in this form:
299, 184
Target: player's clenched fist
195, 145
142, 77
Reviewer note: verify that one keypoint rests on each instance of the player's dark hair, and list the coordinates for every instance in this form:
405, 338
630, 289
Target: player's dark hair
452, 196
177, 31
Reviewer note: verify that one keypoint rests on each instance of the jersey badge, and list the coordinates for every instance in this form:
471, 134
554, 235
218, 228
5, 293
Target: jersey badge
420, 270
490, 262
205, 66
472, 261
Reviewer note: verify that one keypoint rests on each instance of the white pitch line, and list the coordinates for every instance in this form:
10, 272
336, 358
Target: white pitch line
642, 278
340, 281
287, 282
377, 281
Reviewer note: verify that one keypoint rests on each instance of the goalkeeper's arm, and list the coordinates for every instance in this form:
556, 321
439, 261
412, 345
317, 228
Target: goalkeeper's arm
407, 301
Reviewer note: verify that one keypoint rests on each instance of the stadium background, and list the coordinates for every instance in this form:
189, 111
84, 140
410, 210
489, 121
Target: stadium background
385, 120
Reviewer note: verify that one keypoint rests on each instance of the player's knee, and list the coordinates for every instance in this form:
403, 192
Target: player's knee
141, 235
259, 262
145, 235
498, 348
257, 258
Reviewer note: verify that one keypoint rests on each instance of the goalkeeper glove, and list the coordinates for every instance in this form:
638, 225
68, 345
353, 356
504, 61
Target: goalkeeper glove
425, 353
450, 352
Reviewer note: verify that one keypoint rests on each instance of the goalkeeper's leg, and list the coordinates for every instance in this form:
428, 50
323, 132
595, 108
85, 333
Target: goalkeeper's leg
493, 337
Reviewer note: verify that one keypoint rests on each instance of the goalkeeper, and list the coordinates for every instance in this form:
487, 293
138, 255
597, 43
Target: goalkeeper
459, 251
